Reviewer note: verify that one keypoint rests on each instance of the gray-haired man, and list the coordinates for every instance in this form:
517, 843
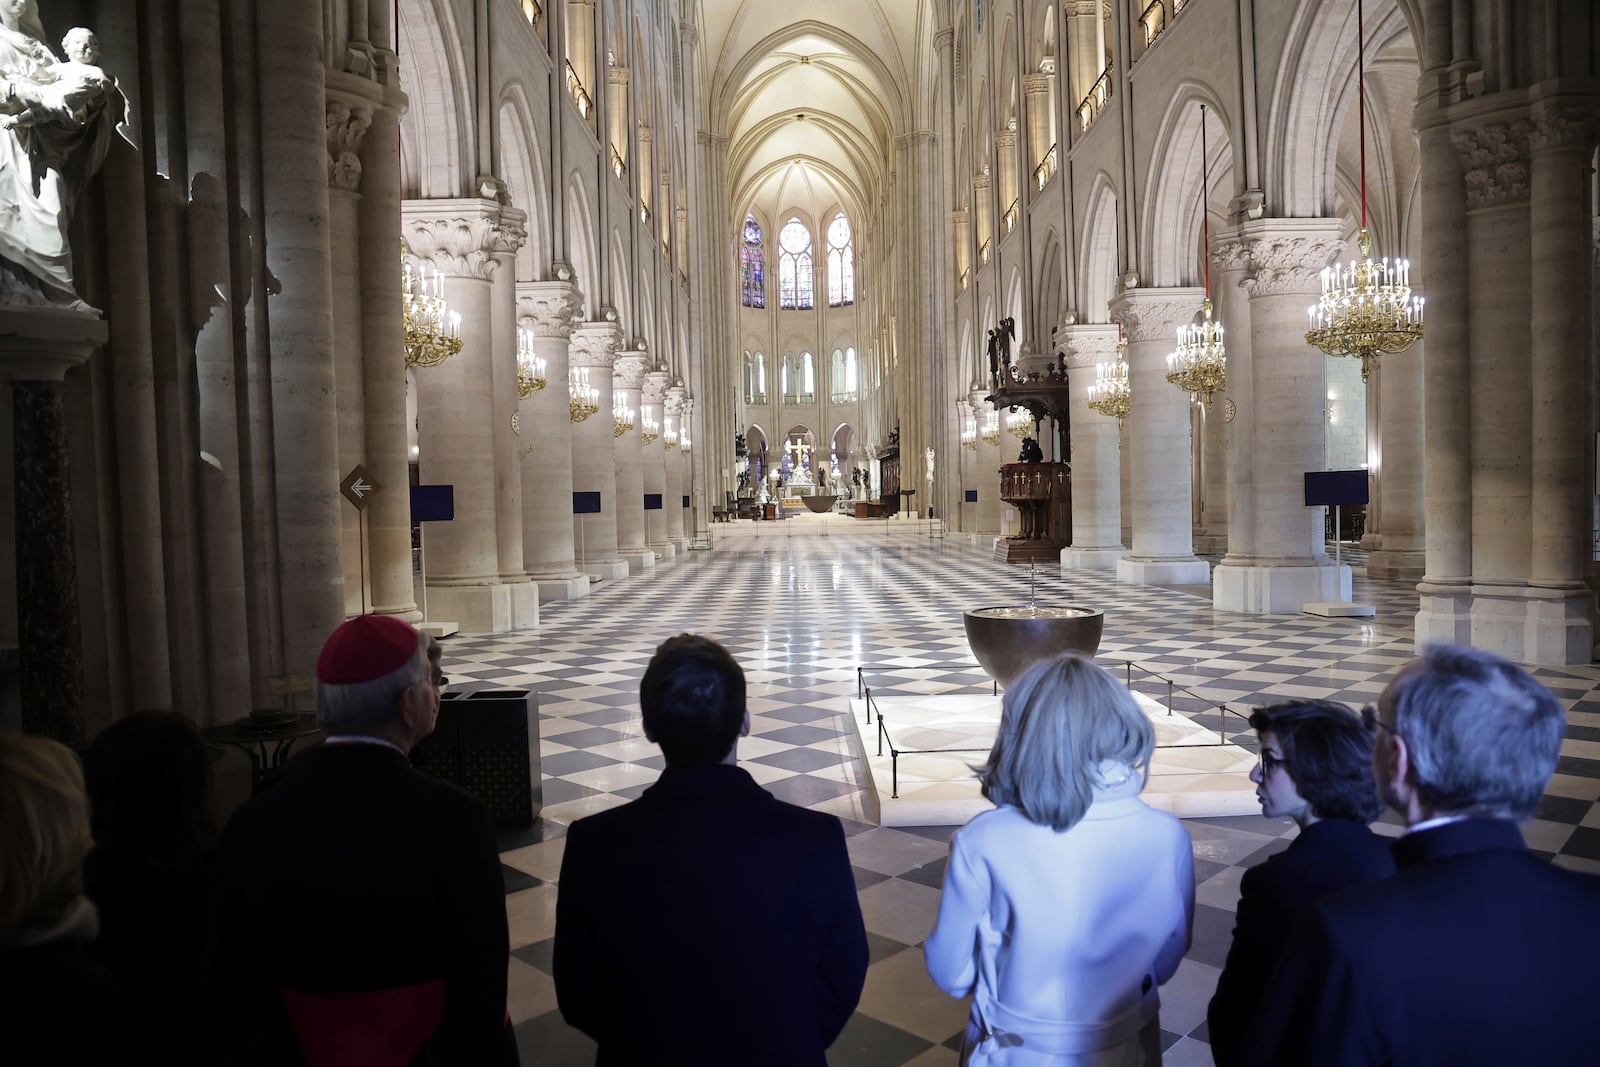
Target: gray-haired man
1476, 951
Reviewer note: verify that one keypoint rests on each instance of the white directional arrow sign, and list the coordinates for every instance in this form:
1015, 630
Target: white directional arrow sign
359, 487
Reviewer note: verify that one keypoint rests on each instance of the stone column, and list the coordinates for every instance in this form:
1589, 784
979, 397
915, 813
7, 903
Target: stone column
37, 348
1445, 592
455, 417
987, 458
348, 117
548, 311
1005, 150
305, 419
1158, 442
1096, 455
1283, 564
652, 460
1558, 629
617, 114
676, 484
983, 207
1399, 467
1036, 109
594, 346
383, 376
646, 164
627, 379
1500, 393
505, 239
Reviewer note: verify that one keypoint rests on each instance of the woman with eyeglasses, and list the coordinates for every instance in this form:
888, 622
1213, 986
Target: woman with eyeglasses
1068, 905
1315, 767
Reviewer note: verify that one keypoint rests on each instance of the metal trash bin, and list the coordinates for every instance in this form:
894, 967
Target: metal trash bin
487, 742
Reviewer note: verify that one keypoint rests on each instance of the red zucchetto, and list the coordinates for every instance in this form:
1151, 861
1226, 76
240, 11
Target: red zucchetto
365, 648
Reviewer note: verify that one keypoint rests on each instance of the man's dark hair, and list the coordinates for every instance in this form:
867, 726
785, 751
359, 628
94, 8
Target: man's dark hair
1328, 754
692, 697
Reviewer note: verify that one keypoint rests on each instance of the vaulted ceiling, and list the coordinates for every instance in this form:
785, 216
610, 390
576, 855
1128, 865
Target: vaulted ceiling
811, 96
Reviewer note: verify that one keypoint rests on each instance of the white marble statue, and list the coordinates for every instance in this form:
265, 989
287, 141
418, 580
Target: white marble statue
56, 123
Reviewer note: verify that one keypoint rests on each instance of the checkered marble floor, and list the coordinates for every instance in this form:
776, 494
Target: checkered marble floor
803, 610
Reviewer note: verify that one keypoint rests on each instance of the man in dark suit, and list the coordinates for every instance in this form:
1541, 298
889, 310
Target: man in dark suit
1476, 951
357, 902
706, 922
1315, 768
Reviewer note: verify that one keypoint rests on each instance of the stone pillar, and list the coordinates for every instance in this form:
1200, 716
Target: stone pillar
37, 348
348, 118
983, 206
1398, 395
1085, 39
594, 346
960, 221
1005, 150
383, 377
1158, 440
1036, 110
652, 460
1096, 455
1445, 592
580, 49
1558, 629
505, 239
1283, 564
617, 115
988, 459
455, 424
645, 169
548, 311
627, 379
305, 430
676, 484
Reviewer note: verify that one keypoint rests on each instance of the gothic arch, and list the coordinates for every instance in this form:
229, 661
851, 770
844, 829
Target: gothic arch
1098, 263
436, 130
522, 168
580, 246
1171, 226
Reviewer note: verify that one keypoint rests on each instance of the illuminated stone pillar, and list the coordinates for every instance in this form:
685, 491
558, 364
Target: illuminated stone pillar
594, 347
652, 401
549, 311
1096, 455
627, 380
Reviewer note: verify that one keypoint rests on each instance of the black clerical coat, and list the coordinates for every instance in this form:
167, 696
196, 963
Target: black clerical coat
356, 873
708, 923
1477, 952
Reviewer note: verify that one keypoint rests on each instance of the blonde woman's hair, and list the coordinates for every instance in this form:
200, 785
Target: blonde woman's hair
1060, 719
44, 832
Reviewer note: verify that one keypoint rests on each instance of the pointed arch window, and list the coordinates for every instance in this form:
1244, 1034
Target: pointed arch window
752, 263
799, 379
844, 376
795, 279
841, 263
755, 378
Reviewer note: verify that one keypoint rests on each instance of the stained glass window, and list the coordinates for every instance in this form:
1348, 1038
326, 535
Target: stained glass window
752, 280
841, 263
795, 279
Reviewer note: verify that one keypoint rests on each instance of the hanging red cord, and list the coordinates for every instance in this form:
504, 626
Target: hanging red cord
1361, 102
1205, 191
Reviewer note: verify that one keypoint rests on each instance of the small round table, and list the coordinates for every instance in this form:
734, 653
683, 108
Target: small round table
266, 740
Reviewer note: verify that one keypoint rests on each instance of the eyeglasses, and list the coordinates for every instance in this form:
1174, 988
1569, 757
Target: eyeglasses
1270, 763
1369, 719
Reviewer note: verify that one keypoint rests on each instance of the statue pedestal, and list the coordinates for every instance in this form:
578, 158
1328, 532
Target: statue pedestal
37, 348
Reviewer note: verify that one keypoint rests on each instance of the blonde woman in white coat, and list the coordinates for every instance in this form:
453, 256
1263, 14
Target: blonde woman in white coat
1069, 904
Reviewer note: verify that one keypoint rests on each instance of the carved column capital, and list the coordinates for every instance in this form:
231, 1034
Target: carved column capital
629, 370
617, 77
1155, 314
1563, 123
655, 387
944, 38
980, 181
347, 124
1087, 345
646, 135
1004, 140
676, 395
461, 237
1494, 156
549, 309
595, 344
1280, 256
1035, 84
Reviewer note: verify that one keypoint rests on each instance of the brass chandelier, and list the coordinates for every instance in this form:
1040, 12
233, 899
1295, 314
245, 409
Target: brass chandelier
1200, 365
991, 428
1111, 394
649, 428
621, 417
432, 330
585, 398
530, 367
1366, 309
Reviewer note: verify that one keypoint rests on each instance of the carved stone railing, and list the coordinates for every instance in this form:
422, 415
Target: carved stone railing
1095, 102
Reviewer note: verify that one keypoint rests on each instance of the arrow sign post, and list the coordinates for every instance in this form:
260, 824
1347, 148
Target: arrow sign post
359, 488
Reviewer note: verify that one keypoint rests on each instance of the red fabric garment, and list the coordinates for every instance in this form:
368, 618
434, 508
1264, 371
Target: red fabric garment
383, 1028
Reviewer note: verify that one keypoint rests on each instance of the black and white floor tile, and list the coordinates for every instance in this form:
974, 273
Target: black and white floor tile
803, 609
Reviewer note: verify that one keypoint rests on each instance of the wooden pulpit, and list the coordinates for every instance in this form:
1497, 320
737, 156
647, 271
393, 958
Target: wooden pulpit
1042, 495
